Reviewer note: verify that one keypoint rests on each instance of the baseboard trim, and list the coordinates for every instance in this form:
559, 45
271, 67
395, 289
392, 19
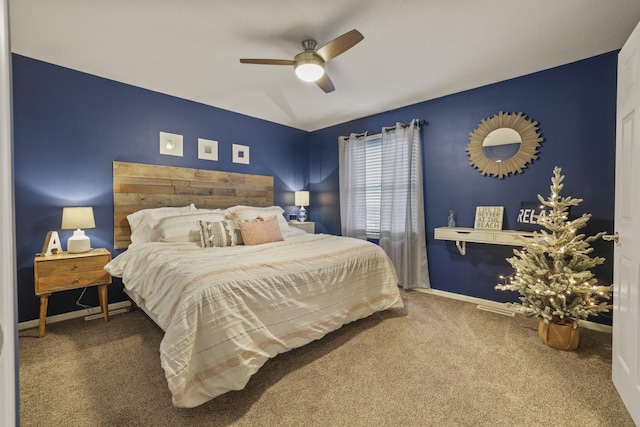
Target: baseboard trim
503, 307
74, 315
487, 305
505, 311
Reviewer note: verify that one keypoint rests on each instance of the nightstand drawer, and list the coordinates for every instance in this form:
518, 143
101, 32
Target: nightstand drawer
71, 265
70, 280
67, 271
307, 226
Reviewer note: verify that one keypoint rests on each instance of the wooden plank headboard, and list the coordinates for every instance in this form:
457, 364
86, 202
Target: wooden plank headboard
139, 186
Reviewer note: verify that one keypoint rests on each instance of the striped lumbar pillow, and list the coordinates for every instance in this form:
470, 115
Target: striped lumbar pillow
219, 234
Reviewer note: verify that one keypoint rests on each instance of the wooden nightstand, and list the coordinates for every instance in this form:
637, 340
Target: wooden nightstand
64, 271
308, 226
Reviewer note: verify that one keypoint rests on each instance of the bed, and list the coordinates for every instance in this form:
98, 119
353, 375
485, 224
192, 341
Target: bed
226, 307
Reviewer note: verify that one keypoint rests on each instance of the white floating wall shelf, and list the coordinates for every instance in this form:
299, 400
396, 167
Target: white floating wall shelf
462, 235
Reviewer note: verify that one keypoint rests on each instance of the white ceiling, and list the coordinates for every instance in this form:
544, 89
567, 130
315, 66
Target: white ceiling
413, 50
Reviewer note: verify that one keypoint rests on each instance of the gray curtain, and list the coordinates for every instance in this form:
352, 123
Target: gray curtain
353, 197
402, 234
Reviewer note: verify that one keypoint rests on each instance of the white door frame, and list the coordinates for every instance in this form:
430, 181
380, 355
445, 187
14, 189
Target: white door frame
8, 310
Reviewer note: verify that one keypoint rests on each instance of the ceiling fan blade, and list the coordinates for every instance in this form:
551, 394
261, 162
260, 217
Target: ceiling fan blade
268, 61
340, 45
325, 83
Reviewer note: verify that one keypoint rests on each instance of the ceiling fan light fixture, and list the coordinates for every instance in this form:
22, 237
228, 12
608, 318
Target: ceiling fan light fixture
309, 72
309, 66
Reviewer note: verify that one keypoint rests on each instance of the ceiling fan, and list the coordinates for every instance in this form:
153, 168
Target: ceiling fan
309, 65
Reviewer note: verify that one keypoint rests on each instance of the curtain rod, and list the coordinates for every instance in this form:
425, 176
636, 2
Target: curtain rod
420, 123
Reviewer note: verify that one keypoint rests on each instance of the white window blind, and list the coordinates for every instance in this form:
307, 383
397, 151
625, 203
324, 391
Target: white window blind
373, 171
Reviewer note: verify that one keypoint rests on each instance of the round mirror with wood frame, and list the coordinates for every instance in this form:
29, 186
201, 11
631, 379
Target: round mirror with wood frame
504, 144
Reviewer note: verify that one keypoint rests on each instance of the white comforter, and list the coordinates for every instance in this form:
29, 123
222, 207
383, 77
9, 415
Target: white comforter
226, 311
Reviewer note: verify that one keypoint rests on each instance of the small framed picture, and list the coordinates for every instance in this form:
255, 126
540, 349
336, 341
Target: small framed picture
207, 149
170, 144
488, 217
240, 154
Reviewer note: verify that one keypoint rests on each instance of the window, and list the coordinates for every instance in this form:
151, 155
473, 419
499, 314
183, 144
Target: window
373, 179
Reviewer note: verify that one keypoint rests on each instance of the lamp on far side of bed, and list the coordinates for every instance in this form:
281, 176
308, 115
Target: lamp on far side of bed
302, 200
78, 218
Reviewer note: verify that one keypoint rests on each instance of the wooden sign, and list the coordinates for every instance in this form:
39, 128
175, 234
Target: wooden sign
488, 218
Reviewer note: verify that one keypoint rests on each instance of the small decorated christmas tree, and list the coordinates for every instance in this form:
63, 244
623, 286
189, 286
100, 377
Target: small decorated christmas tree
552, 270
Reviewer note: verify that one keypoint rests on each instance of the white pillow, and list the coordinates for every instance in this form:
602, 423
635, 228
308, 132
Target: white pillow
142, 222
185, 228
293, 231
242, 212
205, 210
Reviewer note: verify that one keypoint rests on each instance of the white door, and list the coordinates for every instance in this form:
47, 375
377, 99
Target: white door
626, 267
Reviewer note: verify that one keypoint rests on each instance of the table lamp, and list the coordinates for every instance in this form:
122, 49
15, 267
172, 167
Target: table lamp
78, 218
302, 200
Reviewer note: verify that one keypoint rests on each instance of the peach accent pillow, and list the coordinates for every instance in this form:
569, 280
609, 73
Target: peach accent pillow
257, 233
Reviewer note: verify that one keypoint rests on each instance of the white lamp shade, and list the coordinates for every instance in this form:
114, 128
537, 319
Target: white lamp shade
302, 198
75, 218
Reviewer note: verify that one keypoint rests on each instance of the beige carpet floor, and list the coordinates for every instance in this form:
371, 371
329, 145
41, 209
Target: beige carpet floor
439, 362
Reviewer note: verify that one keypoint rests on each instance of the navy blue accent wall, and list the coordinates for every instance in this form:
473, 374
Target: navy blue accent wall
575, 106
70, 126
